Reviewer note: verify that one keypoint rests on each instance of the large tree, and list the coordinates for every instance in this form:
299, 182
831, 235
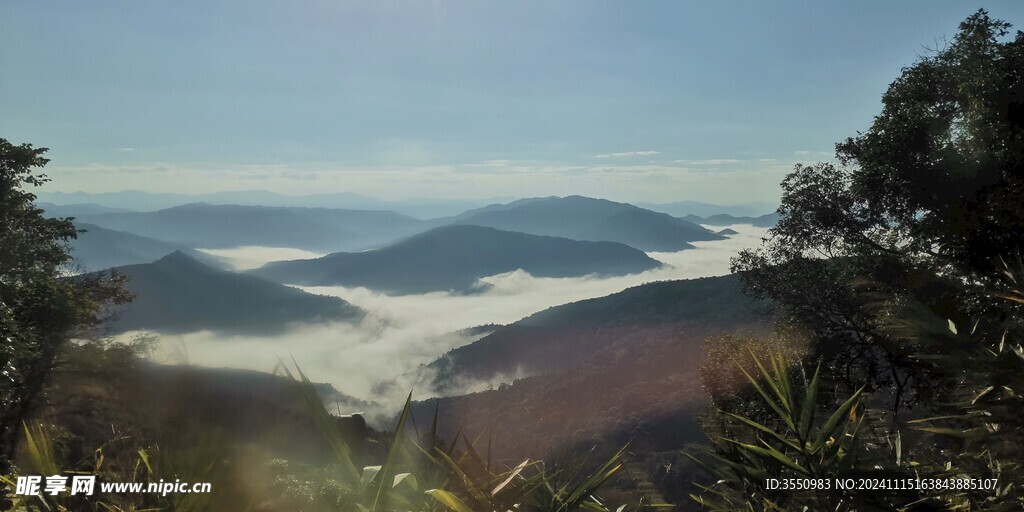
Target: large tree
42, 306
901, 264
921, 207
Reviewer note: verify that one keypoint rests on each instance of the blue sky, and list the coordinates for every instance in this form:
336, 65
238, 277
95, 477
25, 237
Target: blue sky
640, 101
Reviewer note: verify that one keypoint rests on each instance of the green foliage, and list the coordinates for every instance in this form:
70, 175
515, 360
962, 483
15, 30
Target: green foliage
892, 263
920, 206
41, 308
795, 442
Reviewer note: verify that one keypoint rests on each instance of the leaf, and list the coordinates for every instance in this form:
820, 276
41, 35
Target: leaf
515, 472
144, 457
381, 496
771, 452
952, 326
809, 406
449, 500
833, 422
768, 399
899, 448
782, 438
405, 477
325, 424
368, 474
982, 394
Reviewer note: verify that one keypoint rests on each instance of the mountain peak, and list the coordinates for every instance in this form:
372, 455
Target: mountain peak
179, 257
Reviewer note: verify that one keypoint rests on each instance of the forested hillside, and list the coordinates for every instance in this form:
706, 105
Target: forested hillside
565, 336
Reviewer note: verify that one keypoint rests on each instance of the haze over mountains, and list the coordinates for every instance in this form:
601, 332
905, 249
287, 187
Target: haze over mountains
454, 258
421, 208
763, 221
100, 248
138, 200
119, 236
177, 294
202, 225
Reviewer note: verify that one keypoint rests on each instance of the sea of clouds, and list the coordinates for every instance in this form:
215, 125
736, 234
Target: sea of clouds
380, 358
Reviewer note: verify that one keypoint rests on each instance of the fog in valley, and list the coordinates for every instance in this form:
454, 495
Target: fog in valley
249, 257
379, 360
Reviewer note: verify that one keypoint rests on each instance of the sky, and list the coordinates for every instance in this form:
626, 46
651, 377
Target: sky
652, 101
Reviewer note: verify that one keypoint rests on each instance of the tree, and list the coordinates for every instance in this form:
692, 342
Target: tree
894, 262
42, 306
920, 207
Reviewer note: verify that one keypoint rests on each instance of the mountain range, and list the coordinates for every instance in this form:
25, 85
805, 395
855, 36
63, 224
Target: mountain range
100, 248
763, 221
454, 258
421, 208
700, 209
202, 225
584, 218
218, 226
178, 294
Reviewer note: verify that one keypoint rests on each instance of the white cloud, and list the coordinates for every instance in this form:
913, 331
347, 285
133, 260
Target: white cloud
713, 161
626, 154
251, 256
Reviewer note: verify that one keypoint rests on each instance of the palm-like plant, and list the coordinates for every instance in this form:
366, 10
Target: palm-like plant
794, 442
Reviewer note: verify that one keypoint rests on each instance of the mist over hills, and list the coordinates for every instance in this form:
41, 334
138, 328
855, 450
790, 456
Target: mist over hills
100, 248
78, 209
454, 258
178, 294
584, 218
700, 209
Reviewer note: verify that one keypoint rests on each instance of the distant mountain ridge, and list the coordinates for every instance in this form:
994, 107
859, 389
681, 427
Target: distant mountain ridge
700, 209
584, 218
177, 294
204, 225
453, 258
219, 226
764, 221
421, 208
100, 248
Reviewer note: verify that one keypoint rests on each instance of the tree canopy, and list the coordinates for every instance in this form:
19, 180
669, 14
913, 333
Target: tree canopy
900, 263
42, 306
